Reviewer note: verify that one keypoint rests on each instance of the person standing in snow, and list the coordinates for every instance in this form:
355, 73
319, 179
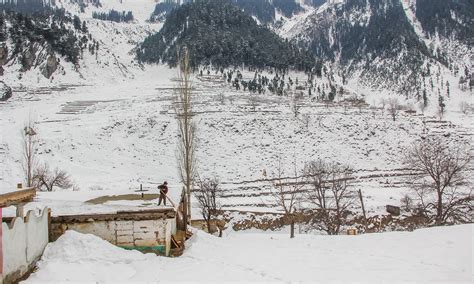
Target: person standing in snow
163, 191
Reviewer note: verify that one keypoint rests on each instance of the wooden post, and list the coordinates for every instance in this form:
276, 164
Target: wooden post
50, 231
167, 238
363, 209
185, 212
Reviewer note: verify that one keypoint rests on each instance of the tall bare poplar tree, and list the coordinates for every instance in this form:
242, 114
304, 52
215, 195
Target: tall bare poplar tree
186, 125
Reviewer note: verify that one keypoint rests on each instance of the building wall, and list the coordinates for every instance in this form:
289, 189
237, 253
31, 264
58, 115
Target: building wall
24, 241
147, 235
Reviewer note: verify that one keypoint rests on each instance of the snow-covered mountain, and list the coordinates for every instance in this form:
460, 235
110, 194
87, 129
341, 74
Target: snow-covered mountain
405, 46
104, 50
389, 43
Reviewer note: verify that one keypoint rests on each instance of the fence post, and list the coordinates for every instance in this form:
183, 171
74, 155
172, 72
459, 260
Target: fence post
363, 209
50, 228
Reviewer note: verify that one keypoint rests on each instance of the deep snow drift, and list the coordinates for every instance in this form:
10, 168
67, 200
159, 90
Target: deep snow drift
424, 256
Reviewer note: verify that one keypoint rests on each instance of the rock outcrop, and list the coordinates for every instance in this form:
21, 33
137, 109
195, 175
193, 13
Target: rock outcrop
5, 91
50, 66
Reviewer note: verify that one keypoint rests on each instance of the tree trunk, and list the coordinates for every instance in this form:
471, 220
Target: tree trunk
439, 209
292, 228
208, 221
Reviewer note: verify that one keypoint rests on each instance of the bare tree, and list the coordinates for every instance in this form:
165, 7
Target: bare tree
329, 194
187, 127
464, 107
46, 179
406, 202
253, 100
441, 107
393, 107
383, 102
296, 103
422, 105
206, 196
285, 192
30, 146
306, 119
440, 168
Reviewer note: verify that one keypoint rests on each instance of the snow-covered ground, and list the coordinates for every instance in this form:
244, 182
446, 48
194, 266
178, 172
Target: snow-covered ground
113, 137
441, 255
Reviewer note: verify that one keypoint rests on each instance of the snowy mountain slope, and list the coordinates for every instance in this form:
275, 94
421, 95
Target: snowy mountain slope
424, 256
141, 9
115, 56
362, 41
456, 48
113, 138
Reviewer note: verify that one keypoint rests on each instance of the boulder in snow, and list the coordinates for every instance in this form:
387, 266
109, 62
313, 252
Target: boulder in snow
5, 91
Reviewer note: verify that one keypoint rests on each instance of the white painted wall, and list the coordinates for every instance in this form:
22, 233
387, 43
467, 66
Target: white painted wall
139, 233
24, 242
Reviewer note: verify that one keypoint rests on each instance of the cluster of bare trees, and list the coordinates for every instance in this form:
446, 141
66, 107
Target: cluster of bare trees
206, 196
328, 194
46, 179
438, 166
439, 171
39, 175
322, 186
295, 103
393, 107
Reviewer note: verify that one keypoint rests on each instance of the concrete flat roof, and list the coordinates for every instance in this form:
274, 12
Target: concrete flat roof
146, 214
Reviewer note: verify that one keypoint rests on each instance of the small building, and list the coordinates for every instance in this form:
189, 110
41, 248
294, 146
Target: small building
23, 239
143, 230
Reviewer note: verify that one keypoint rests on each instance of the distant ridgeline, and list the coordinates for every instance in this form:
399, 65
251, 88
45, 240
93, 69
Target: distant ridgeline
114, 16
218, 33
33, 26
263, 10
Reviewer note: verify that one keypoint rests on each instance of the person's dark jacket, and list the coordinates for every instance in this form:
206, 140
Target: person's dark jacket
163, 188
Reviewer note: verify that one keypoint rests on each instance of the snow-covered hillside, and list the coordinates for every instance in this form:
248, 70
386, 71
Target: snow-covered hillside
442, 255
115, 60
113, 138
362, 42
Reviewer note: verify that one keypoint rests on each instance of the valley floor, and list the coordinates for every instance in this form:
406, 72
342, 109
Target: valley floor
113, 137
441, 254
